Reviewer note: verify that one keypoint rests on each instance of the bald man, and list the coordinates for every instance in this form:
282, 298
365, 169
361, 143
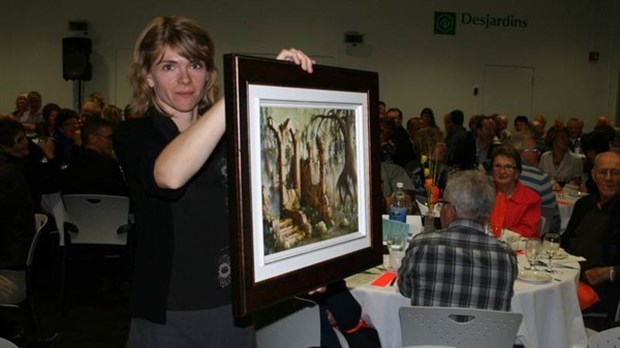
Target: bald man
594, 233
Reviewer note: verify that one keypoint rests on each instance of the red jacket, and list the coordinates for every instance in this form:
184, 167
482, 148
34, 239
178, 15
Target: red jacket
521, 211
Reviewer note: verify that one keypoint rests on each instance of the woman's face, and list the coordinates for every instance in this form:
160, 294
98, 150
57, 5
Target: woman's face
20, 145
51, 121
178, 84
21, 103
505, 171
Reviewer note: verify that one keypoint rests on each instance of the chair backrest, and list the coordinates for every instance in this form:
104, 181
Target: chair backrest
4, 343
300, 329
606, 339
40, 220
543, 226
97, 218
444, 326
547, 214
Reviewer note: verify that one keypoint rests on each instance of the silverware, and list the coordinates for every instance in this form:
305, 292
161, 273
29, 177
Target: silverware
561, 265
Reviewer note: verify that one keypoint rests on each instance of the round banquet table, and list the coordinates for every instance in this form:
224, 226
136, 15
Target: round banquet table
551, 314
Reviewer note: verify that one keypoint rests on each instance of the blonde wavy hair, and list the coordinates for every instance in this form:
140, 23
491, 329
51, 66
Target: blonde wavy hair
186, 38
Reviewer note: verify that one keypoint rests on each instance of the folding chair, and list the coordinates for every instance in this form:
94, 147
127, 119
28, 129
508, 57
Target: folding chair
458, 327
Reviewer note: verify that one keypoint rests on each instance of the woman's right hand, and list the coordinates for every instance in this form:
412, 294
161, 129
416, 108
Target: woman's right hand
298, 57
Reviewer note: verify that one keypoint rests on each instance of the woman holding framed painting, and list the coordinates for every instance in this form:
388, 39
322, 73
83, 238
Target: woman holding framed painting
174, 161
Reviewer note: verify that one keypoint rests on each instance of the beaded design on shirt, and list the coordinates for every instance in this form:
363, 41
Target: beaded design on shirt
224, 268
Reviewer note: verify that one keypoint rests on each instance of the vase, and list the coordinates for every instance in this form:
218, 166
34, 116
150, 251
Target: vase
429, 219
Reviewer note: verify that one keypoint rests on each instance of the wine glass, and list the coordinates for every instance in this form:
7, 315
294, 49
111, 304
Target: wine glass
558, 188
532, 252
550, 245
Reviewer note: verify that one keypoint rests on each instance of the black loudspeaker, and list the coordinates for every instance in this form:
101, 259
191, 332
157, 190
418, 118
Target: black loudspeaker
76, 58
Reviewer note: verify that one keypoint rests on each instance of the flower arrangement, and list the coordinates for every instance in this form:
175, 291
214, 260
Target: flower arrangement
431, 177
429, 145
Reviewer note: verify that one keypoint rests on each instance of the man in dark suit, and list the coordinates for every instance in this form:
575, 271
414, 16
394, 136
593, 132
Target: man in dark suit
403, 153
95, 171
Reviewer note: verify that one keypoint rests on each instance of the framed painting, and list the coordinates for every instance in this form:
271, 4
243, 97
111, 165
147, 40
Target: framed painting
304, 177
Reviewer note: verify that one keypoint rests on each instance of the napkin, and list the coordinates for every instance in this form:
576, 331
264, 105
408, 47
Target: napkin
385, 279
514, 239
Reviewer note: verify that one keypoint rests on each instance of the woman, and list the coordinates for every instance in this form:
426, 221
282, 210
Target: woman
560, 163
516, 207
174, 162
21, 106
50, 113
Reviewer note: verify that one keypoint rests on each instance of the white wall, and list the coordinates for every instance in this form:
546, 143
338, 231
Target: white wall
416, 67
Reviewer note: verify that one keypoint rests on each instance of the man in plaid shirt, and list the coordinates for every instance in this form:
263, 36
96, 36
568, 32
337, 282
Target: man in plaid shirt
460, 266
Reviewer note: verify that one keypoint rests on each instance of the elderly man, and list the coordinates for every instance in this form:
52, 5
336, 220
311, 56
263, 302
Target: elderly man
575, 130
461, 265
533, 177
594, 233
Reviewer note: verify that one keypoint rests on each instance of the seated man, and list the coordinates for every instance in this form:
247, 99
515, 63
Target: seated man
16, 218
533, 177
460, 266
594, 233
95, 171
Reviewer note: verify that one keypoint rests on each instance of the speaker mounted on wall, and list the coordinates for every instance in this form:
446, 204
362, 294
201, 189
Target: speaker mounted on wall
76, 58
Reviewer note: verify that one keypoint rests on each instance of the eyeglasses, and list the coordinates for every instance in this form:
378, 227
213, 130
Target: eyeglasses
530, 149
506, 167
107, 137
615, 173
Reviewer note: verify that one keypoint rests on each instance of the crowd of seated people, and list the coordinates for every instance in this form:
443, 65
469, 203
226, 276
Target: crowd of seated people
526, 163
61, 149
55, 149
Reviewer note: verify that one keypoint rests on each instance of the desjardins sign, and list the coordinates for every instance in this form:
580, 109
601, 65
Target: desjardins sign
446, 22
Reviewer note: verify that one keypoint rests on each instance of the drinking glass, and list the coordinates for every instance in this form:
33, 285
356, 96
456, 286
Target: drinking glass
532, 252
396, 242
396, 248
551, 244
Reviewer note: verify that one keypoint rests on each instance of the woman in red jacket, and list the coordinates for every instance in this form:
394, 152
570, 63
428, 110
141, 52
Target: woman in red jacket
517, 207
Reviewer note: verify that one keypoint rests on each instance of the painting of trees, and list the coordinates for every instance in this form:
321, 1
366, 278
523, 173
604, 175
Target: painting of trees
309, 175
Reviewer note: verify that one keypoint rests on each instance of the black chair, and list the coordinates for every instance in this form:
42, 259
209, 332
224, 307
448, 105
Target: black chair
92, 228
26, 313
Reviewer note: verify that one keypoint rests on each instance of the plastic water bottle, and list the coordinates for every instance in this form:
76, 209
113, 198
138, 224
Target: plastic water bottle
400, 205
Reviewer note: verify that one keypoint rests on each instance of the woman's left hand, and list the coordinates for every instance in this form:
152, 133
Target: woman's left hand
297, 56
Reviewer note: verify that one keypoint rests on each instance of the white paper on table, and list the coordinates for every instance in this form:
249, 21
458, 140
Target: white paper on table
424, 209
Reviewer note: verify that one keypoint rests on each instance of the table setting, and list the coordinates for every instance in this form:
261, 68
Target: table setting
545, 292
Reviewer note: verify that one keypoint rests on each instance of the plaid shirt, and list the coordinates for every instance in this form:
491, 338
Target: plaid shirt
460, 266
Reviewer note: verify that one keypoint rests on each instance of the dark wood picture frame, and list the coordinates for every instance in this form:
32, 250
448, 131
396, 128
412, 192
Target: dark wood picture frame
257, 91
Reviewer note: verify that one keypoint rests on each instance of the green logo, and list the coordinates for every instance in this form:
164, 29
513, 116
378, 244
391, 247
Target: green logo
445, 23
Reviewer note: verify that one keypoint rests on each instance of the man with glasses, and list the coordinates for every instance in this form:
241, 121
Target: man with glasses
460, 265
534, 177
594, 233
96, 170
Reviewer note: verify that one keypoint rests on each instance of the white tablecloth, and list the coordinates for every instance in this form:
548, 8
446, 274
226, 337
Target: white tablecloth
551, 314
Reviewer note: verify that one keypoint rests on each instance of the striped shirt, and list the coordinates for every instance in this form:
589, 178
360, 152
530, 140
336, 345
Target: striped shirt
460, 266
536, 179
